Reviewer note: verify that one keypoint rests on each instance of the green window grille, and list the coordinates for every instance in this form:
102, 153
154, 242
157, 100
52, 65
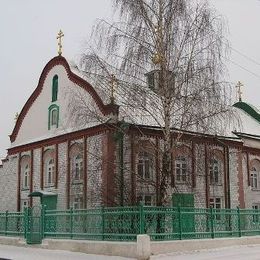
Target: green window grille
55, 88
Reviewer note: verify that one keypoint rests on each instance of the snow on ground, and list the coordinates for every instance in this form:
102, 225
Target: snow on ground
250, 252
21, 253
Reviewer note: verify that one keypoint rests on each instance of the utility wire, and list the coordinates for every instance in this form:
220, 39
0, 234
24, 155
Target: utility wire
242, 67
245, 56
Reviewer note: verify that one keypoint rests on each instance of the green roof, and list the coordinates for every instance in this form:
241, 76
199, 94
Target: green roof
250, 110
41, 193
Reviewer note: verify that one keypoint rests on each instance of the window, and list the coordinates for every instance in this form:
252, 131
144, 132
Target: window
214, 172
254, 178
145, 163
256, 213
146, 199
26, 177
181, 169
216, 204
78, 168
24, 204
53, 116
55, 88
50, 170
78, 203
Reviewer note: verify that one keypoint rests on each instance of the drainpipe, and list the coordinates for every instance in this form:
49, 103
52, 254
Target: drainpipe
120, 138
121, 165
226, 153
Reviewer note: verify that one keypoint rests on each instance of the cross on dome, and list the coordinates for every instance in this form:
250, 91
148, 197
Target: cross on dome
60, 35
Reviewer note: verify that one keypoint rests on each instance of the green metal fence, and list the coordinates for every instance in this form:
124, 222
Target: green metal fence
12, 223
125, 223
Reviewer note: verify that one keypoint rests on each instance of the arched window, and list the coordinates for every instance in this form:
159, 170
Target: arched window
181, 169
50, 170
78, 168
145, 166
55, 88
26, 176
53, 116
214, 172
255, 174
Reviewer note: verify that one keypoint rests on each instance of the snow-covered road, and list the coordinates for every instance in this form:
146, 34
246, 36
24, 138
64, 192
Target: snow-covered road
251, 252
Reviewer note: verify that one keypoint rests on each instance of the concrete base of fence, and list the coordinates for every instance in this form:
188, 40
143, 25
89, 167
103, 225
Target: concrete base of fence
126, 249
142, 249
200, 244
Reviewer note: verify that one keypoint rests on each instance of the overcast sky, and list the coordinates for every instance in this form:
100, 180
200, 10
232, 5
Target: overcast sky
28, 32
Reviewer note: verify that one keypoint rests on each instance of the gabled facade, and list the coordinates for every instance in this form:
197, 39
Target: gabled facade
96, 163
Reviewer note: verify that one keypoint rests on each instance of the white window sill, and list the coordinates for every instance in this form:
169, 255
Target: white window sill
216, 184
183, 182
77, 182
50, 185
255, 189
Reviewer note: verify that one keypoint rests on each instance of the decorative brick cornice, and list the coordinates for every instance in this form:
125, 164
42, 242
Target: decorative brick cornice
59, 60
157, 132
59, 139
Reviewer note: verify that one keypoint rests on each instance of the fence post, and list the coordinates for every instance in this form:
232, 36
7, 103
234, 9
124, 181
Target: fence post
239, 222
25, 222
212, 222
141, 216
43, 220
180, 222
6, 222
71, 222
103, 222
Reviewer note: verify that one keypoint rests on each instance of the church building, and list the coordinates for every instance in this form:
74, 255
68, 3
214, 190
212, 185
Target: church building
63, 163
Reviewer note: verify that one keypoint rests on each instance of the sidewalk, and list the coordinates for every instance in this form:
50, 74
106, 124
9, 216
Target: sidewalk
250, 252
21, 253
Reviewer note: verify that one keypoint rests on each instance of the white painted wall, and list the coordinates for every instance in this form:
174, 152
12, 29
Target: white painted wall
35, 124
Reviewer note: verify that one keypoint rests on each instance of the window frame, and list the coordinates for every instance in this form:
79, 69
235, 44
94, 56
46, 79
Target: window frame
217, 206
76, 202
26, 174
55, 85
49, 172
256, 215
180, 162
254, 178
77, 172
24, 204
52, 108
215, 176
144, 198
145, 164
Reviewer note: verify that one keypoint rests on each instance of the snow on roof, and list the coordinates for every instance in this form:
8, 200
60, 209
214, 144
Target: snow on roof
249, 117
42, 193
131, 102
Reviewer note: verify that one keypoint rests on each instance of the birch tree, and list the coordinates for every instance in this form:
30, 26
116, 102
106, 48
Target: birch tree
167, 57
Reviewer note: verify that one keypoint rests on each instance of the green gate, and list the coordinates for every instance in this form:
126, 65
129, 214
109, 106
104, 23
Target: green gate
33, 228
185, 222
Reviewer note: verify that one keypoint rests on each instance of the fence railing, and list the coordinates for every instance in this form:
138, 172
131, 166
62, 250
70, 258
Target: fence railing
125, 223
12, 223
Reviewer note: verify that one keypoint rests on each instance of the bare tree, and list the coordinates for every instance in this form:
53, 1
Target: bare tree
168, 60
